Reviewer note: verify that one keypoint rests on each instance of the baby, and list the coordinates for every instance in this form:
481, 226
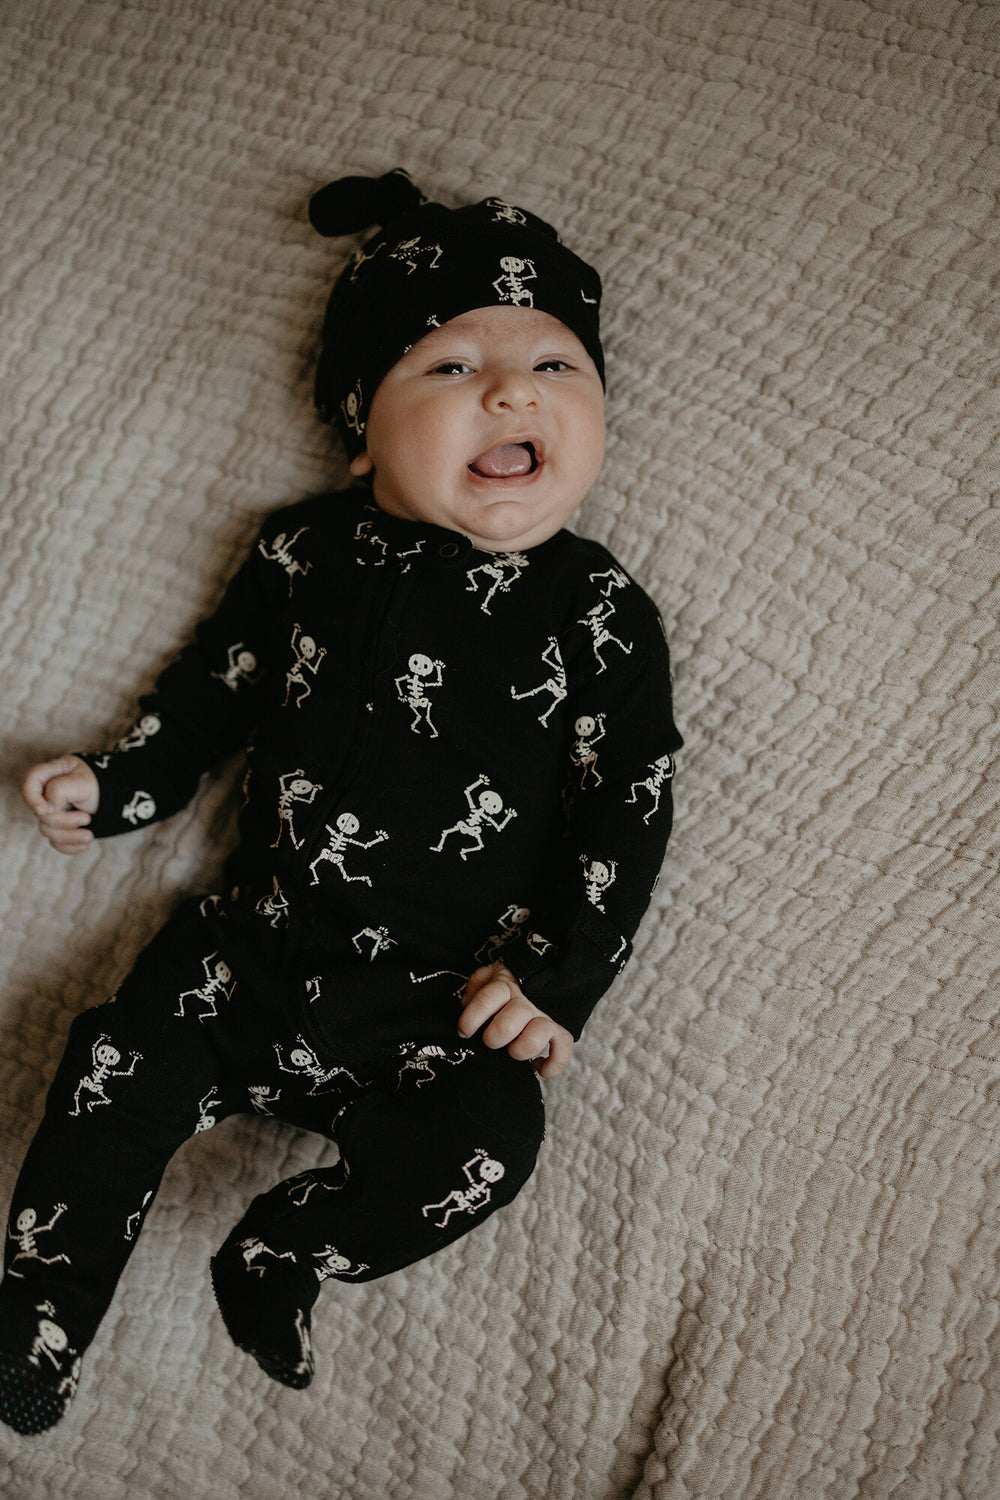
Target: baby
460, 744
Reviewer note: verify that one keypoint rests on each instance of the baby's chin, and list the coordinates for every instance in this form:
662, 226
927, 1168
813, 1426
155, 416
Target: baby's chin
507, 526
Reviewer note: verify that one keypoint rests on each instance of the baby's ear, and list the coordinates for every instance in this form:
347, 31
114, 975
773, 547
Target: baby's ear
361, 465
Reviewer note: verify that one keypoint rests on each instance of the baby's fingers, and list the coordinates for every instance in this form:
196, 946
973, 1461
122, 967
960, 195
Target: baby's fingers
69, 840
486, 1000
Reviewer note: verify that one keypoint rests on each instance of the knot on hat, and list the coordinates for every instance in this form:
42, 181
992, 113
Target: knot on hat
354, 203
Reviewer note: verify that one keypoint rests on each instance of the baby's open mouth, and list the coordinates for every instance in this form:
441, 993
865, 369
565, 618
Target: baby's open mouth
506, 462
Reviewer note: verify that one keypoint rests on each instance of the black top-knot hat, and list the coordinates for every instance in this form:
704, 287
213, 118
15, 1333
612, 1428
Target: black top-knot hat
428, 264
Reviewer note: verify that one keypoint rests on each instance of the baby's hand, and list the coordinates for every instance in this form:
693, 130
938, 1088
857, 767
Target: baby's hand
521, 1027
63, 794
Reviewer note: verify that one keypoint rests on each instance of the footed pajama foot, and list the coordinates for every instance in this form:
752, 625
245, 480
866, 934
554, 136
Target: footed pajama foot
266, 1298
39, 1374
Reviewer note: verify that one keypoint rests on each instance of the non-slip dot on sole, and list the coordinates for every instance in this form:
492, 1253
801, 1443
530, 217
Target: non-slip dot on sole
27, 1403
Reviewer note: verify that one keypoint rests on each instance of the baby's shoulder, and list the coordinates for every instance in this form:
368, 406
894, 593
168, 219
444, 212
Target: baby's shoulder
595, 578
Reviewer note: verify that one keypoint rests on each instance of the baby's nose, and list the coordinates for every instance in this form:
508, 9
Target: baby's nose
512, 389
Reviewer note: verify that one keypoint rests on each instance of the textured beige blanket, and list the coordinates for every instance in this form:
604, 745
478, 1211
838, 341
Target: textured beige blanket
760, 1255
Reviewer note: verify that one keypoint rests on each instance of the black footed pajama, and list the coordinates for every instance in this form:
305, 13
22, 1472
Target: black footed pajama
453, 757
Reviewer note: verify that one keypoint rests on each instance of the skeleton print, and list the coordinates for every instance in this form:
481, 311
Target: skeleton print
341, 839
281, 553
485, 806
511, 924
596, 620
555, 683
303, 1184
241, 669
25, 1234
510, 285
134, 1220
308, 659
255, 1252
660, 772
330, 1262
105, 1058
261, 1097
414, 253
504, 568
137, 736
505, 213
365, 533
303, 1062
463, 979
219, 985
139, 810
53, 1342
482, 1171
412, 688
206, 1120
351, 408
420, 1059
598, 878
614, 578
377, 940
275, 906
589, 732
293, 787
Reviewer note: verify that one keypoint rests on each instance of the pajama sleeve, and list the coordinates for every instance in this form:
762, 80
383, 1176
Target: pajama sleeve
202, 706
579, 935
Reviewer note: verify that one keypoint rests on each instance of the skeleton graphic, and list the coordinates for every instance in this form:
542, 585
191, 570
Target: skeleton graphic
418, 1059
330, 1262
485, 806
25, 1233
377, 937
589, 732
660, 772
341, 839
554, 684
241, 668
463, 979
481, 1172
504, 568
596, 620
105, 1057
510, 284
303, 1184
275, 906
308, 658
351, 409
413, 252
137, 736
211, 1101
219, 985
598, 877
365, 532
614, 579
133, 1221
254, 1252
303, 1062
505, 213
261, 1097
53, 1342
511, 922
412, 687
139, 810
294, 787
314, 989
281, 553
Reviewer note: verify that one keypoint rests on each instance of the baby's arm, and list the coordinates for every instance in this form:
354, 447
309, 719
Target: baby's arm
63, 794
517, 1024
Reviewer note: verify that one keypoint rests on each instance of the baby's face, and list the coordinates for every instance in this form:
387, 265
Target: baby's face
492, 425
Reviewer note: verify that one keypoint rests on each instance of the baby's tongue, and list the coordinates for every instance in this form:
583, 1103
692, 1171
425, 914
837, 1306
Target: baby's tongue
502, 462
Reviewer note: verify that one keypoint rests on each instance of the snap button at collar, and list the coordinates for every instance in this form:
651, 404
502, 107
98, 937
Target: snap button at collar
449, 550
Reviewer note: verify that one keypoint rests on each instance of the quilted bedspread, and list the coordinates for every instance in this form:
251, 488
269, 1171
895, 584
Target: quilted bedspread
761, 1253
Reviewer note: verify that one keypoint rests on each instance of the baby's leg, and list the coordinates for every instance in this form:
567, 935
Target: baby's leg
430, 1149
134, 1082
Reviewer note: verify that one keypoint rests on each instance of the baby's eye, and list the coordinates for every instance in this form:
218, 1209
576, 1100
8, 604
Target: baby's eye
552, 364
452, 367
